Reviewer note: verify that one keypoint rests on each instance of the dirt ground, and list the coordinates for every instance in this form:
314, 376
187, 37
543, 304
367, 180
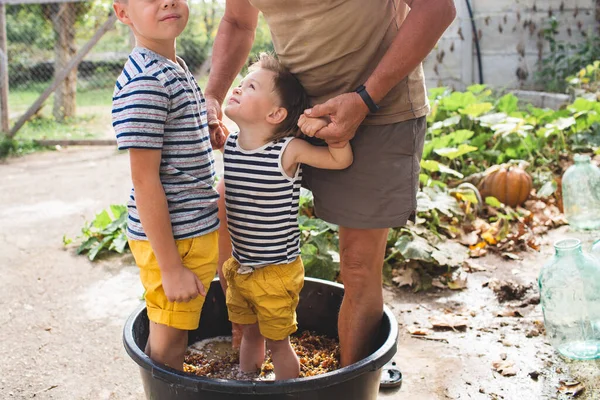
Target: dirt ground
62, 316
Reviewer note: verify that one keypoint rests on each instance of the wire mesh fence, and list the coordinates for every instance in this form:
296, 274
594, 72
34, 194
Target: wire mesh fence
43, 37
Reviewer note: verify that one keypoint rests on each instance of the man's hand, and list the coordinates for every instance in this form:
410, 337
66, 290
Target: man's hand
182, 285
346, 112
218, 132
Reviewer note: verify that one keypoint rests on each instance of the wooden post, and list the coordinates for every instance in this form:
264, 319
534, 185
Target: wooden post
63, 74
4, 117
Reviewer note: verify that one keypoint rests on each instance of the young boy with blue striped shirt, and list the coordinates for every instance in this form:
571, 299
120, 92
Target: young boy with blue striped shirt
159, 115
262, 189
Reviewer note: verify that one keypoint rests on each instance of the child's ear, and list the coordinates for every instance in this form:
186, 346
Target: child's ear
121, 13
277, 115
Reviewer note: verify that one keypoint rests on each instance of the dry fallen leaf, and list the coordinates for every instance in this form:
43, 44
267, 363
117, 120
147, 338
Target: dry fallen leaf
511, 256
437, 282
471, 266
415, 330
509, 313
469, 239
458, 281
571, 388
478, 250
505, 368
406, 276
449, 321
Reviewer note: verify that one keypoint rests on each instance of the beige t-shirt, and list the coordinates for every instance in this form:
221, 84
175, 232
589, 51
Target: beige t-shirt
333, 46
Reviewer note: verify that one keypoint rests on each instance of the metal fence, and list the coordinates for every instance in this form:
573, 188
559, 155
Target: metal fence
43, 37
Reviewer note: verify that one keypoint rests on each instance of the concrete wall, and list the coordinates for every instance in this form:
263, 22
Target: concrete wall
511, 40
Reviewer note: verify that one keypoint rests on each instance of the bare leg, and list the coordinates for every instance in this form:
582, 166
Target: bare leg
361, 261
285, 360
252, 350
167, 345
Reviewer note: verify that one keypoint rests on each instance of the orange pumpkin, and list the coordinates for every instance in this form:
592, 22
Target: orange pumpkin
511, 185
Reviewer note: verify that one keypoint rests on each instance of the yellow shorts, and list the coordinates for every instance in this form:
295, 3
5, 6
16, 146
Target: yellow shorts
269, 295
200, 254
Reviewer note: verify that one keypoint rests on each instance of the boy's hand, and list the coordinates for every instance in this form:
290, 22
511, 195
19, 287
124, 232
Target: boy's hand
182, 285
310, 126
218, 132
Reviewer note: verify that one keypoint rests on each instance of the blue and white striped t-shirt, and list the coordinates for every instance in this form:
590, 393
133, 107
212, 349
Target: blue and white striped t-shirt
262, 204
157, 104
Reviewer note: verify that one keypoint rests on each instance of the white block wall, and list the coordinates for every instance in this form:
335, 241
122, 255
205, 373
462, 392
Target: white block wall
510, 40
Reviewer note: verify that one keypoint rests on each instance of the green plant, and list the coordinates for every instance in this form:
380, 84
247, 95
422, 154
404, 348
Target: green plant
586, 82
15, 147
104, 234
564, 58
319, 242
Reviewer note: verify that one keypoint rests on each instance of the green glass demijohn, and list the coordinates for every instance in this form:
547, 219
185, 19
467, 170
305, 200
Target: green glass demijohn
581, 194
569, 286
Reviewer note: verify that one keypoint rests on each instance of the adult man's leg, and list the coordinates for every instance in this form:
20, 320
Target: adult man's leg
361, 262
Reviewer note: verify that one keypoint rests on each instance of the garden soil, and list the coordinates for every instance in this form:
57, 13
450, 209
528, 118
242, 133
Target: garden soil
61, 315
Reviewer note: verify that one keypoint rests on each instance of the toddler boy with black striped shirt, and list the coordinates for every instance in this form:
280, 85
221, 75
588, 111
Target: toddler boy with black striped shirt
159, 115
262, 190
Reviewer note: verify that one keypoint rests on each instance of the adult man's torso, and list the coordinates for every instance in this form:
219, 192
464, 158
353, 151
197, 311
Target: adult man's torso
333, 46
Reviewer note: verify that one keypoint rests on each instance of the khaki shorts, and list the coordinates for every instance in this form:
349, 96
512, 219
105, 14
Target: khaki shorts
199, 254
268, 295
379, 189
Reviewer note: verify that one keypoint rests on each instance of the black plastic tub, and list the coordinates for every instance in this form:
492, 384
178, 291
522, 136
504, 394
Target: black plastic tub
318, 309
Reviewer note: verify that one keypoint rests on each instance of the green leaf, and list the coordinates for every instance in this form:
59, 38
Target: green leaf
494, 202
492, 119
450, 254
102, 220
581, 104
414, 247
119, 243
99, 247
469, 196
547, 189
430, 199
66, 241
318, 265
117, 210
477, 109
452, 152
437, 92
87, 244
118, 224
457, 100
508, 103
448, 122
564, 123
460, 136
434, 166
478, 88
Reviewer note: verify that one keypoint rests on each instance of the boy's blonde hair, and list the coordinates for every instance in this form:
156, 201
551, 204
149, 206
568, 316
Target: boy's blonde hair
291, 93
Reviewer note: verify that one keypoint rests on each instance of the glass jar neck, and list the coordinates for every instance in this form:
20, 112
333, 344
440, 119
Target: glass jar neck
582, 159
566, 247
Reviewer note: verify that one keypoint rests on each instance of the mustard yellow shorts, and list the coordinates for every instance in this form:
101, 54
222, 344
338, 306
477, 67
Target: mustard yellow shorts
269, 295
199, 254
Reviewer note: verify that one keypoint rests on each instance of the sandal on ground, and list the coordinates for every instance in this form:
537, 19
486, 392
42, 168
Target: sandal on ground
391, 377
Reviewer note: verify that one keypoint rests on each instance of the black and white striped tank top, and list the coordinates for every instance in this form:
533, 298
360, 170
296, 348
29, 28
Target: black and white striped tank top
262, 204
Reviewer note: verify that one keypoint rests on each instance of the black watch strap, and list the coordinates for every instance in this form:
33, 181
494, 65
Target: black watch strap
362, 92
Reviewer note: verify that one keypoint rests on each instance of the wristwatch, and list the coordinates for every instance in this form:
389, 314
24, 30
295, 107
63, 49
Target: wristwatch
362, 92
